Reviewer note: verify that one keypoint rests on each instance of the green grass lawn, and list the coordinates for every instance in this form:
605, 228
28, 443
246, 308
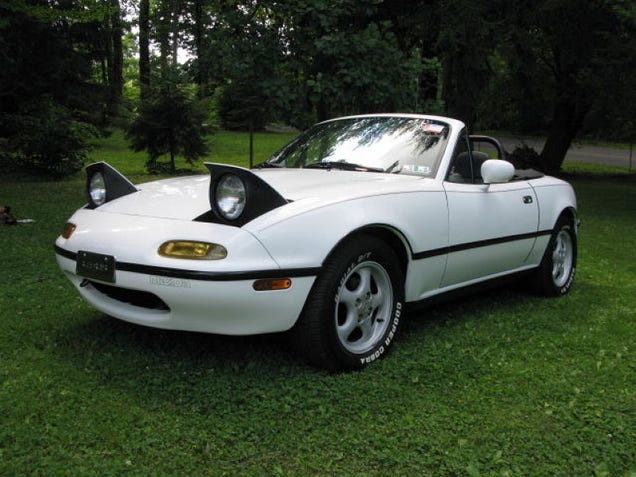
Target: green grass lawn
225, 146
502, 383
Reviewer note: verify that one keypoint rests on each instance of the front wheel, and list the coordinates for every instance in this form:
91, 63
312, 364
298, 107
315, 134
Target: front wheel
556, 272
354, 308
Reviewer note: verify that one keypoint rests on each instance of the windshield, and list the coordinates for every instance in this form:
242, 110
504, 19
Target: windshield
378, 144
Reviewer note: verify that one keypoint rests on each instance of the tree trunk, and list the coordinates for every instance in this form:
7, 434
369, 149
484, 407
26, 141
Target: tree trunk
104, 69
322, 110
175, 6
201, 75
171, 145
164, 50
117, 59
163, 29
458, 100
144, 47
567, 119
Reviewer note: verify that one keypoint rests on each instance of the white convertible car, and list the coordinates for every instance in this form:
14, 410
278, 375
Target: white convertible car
330, 238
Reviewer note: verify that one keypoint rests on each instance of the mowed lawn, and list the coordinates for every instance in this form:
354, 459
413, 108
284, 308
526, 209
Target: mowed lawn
501, 383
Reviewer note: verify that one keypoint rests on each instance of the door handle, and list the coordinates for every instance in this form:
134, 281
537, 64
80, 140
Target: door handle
527, 199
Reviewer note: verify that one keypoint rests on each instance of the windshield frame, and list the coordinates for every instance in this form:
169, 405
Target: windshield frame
435, 131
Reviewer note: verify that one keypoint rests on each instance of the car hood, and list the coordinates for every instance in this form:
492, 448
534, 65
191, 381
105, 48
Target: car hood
188, 197
303, 184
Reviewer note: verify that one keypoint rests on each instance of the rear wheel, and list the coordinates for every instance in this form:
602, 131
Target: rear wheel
355, 306
556, 272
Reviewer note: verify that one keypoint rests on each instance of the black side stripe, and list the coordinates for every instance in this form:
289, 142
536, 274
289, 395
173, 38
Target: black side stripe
65, 253
482, 243
203, 275
293, 272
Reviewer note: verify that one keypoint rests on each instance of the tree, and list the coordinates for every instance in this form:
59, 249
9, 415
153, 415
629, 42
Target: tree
144, 47
466, 42
166, 21
170, 121
583, 46
613, 115
113, 39
48, 140
255, 87
49, 89
343, 57
198, 36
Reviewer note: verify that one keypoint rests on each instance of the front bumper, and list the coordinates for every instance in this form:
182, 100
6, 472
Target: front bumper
203, 296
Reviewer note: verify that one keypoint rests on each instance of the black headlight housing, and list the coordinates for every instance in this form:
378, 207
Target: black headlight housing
238, 196
104, 183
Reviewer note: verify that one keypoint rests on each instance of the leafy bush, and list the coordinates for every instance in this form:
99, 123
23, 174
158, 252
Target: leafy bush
242, 106
46, 139
525, 157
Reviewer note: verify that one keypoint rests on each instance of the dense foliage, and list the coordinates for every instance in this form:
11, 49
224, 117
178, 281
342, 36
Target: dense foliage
48, 140
556, 67
59, 74
170, 122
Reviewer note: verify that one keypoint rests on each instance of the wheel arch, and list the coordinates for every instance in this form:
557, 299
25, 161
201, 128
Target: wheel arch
552, 278
390, 235
570, 214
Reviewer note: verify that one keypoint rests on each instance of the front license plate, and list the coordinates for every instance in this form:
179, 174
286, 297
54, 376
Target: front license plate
95, 265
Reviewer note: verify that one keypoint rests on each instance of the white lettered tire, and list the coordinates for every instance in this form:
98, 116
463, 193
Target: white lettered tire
556, 272
355, 306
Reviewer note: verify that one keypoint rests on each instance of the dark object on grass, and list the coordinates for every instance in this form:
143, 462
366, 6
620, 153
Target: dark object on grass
6, 217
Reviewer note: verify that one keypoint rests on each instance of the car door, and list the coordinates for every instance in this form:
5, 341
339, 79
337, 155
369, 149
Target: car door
492, 227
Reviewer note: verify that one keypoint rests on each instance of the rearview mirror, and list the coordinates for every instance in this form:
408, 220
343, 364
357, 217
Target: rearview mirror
496, 171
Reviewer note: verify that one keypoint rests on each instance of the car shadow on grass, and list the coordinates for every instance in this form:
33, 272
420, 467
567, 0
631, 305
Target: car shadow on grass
106, 334
148, 364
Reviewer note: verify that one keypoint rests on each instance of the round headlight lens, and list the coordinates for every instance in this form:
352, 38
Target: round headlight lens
97, 189
230, 196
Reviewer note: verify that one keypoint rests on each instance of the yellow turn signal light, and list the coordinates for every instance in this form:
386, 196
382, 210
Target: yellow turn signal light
270, 284
69, 228
192, 250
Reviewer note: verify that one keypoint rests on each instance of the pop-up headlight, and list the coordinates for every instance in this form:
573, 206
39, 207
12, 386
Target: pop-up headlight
104, 183
238, 196
230, 196
97, 188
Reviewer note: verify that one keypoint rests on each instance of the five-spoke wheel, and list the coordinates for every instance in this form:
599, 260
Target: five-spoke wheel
554, 275
355, 306
363, 307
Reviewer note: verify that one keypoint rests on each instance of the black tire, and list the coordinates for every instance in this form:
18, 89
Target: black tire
555, 274
355, 307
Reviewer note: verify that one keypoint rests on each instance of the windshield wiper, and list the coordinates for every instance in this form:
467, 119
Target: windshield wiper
268, 165
341, 165
393, 166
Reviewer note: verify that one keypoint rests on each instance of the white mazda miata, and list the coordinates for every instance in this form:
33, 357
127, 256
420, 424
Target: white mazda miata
330, 238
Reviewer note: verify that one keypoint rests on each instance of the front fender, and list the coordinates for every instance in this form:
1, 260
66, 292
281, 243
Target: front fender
305, 240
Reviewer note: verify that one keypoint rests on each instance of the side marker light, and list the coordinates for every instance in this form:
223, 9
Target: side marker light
69, 228
270, 284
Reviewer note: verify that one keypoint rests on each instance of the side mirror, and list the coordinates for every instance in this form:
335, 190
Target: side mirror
495, 171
